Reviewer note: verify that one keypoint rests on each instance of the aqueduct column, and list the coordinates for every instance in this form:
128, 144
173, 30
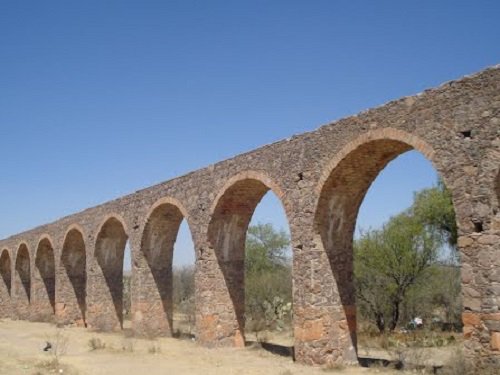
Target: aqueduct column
479, 243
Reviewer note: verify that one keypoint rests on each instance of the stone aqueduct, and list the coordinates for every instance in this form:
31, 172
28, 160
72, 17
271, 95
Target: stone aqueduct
70, 271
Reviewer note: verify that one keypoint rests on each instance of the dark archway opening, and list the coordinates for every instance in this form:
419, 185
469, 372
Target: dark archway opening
5, 284
5, 271
44, 288
73, 283
23, 282
109, 253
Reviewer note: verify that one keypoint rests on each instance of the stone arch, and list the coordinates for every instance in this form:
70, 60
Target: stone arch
411, 141
107, 275
230, 216
341, 190
72, 278
22, 282
5, 284
257, 176
43, 288
153, 310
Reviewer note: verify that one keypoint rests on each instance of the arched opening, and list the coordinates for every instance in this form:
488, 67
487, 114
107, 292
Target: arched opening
407, 212
268, 278
183, 293
228, 233
5, 284
22, 282
44, 282
341, 197
155, 311
127, 286
71, 295
108, 280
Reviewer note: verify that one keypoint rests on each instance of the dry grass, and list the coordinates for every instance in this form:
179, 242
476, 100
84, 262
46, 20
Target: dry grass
128, 345
95, 343
154, 349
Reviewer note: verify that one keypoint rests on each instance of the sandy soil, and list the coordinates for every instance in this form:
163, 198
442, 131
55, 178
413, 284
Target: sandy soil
21, 345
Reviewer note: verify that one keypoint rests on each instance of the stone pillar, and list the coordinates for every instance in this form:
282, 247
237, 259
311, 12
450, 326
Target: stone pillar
219, 295
480, 253
324, 306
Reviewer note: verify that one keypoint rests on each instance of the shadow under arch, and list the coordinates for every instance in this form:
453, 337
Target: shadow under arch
45, 270
22, 279
109, 253
5, 284
6, 271
342, 189
231, 214
73, 277
157, 249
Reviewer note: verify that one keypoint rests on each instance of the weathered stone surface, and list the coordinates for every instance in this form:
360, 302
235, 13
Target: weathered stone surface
471, 319
72, 267
464, 241
495, 341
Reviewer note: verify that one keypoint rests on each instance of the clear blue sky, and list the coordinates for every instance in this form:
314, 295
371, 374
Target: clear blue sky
101, 98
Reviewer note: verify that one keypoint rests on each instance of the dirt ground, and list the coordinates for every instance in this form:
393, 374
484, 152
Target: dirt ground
22, 343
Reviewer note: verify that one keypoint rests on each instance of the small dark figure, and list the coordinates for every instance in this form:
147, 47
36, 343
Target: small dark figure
48, 346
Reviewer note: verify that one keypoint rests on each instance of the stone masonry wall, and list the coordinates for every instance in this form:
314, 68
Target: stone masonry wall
321, 178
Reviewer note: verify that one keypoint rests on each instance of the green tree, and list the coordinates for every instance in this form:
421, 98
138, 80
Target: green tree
268, 278
265, 248
388, 263
433, 207
401, 266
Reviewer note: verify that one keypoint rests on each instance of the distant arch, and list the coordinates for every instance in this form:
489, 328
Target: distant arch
109, 253
155, 264
22, 281
44, 279
6, 271
72, 277
5, 284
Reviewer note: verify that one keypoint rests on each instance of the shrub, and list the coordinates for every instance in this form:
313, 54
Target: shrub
96, 343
